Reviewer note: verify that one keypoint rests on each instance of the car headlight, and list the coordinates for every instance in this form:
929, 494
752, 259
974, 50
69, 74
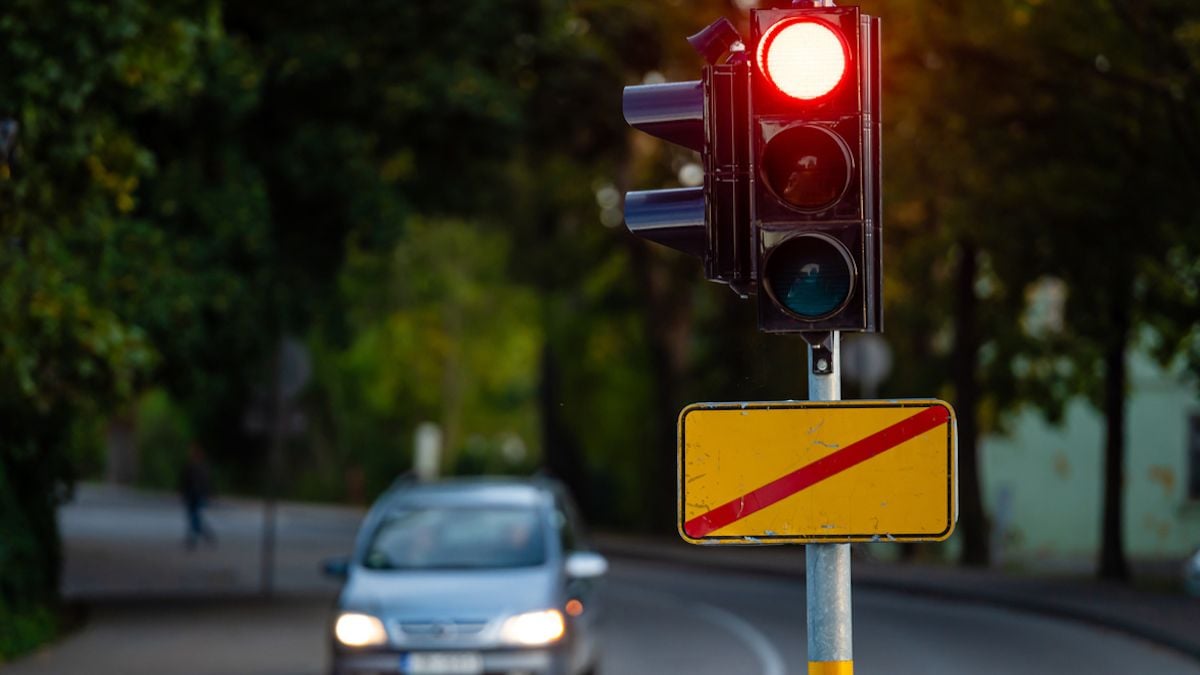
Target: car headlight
534, 629
359, 630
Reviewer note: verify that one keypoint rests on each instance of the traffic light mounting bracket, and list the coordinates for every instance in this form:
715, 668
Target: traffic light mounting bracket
729, 257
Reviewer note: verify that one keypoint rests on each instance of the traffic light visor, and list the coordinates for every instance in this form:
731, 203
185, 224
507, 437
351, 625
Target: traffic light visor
809, 276
804, 59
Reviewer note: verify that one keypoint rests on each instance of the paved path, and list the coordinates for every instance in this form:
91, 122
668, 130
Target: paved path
109, 534
191, 637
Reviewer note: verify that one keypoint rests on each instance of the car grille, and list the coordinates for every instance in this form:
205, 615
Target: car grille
442, 629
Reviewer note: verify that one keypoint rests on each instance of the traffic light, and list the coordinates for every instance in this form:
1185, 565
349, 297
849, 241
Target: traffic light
814, 127
709, 116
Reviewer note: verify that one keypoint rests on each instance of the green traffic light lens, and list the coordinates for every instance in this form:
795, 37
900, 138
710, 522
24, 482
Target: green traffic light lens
806, 167
809, 276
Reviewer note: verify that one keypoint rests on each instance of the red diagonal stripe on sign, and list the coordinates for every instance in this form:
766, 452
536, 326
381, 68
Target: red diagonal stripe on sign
811, 474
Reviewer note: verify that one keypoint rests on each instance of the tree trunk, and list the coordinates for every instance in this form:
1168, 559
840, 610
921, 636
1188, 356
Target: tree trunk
560, 450
663, 455
121, 460
1113, 564
31, 556
667, 316
452, 390
966, 390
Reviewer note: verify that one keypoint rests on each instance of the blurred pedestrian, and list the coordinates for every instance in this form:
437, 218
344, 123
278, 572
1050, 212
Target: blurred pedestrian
195, 486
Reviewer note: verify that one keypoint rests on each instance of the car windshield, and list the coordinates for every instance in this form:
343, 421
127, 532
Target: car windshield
457, 538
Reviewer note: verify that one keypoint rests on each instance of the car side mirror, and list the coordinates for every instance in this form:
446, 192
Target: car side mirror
336, 568
585, 565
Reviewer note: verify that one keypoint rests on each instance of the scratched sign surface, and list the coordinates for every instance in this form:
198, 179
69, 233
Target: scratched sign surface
817, 472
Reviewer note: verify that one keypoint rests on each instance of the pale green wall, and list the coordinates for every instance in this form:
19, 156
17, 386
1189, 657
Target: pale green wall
1053, 474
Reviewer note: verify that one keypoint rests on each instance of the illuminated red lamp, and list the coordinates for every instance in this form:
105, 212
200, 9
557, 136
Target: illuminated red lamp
803, 59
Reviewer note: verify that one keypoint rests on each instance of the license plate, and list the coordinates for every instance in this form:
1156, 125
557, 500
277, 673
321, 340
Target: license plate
442, 663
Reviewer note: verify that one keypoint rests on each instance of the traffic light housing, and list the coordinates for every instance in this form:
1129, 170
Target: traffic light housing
709, 116
788, 129
814, 127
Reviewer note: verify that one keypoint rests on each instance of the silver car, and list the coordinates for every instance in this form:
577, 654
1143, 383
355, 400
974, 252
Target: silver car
468, 577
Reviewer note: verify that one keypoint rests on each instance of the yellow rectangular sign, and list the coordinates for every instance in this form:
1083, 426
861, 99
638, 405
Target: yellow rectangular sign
817, 472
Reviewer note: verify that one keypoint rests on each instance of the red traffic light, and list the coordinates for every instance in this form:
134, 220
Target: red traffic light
804, 59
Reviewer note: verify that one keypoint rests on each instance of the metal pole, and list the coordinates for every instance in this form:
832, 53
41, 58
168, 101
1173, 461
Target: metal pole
827, 566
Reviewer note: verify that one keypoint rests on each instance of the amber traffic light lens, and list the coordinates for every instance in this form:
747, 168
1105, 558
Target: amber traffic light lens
807, 167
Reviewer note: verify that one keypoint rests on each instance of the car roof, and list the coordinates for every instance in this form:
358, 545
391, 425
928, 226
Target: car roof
466, 492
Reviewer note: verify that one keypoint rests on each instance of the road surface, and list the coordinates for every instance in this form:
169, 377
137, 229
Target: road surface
160, 609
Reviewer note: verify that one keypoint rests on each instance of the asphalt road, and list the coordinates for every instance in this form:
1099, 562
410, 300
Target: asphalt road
663, 619
158, 608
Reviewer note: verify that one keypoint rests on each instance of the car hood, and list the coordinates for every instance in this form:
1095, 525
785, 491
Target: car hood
451, 594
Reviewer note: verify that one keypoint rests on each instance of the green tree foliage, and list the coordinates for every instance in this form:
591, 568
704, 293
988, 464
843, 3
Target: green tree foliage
1126, 119
952, 260
68, 354
447, 338
1049, 157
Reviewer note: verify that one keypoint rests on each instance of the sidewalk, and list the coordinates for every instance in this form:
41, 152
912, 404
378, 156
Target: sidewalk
154, 606
110, 534
1166, 619
190, 636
